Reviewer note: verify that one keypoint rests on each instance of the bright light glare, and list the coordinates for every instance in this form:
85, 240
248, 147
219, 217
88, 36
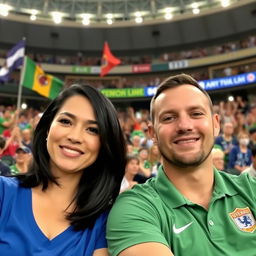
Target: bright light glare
225, 3
33, 17
109, 21
230, 98
24, 106
194, 5
4, 9
137, 14
168, 16
196, 11
138, 19
86, 21
109, 16
57, 17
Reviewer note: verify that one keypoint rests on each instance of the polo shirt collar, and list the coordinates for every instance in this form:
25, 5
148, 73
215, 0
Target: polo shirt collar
174, 199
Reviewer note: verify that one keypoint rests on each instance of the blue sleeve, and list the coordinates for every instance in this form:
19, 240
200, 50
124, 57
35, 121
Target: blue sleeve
101, 241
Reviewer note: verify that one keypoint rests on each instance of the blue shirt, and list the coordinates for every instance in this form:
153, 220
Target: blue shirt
20, 234
236, 157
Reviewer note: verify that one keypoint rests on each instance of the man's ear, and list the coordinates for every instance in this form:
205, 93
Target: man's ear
216, 124
151, 132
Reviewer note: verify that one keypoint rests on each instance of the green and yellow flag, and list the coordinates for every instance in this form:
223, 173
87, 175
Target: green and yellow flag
34, 78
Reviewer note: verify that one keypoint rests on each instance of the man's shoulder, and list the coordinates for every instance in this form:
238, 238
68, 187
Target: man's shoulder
243, 181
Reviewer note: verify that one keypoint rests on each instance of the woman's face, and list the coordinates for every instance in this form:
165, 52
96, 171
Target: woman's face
73, 142
133, 167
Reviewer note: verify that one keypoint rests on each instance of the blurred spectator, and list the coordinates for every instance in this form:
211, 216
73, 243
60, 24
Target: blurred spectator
23, 121
240, 123
26, 136
240, 156
7, 120
144, 163
227, 140
252, 133
154, 159
13, 141
252, 169
4, 168
218, 158
251, 117
131, 170
23, 158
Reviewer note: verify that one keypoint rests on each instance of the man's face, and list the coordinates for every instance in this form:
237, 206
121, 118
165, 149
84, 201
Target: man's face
184, 127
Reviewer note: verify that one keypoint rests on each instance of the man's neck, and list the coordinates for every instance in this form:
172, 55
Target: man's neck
196, 184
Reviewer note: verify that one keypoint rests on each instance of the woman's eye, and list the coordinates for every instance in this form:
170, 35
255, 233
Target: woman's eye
65, 121
93, 130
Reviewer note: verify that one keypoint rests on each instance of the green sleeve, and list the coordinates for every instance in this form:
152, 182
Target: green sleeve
133, 220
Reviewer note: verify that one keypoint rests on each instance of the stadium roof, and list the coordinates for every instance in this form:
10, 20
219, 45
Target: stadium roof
102, 13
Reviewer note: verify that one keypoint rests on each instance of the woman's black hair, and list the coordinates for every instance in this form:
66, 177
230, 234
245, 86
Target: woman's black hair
100, 183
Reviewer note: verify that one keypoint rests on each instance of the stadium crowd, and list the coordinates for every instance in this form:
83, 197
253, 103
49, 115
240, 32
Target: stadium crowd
82, 59
234, 150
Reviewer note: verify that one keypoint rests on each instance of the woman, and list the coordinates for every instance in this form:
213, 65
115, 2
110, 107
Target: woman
131, 170
60, 206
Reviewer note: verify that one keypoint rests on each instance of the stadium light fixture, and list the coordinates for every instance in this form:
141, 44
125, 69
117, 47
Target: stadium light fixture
57, 17
196, 10
225, 3
4, 9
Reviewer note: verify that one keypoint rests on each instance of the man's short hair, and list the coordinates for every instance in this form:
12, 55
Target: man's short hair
173, 82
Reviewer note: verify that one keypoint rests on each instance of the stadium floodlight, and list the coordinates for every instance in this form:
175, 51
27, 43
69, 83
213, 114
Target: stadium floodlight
225, 3
109, 21
138, 20
57, 17
109, 16
32, 17
194, 5
196, 10
4, 9
24, 105
168, 16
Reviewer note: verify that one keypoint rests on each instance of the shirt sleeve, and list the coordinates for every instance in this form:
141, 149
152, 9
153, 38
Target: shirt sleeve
132, 220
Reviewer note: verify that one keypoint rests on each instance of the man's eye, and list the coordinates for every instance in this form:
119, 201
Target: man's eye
168, 118
197, 114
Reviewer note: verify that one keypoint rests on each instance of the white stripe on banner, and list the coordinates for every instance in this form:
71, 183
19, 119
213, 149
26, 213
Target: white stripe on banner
18, 54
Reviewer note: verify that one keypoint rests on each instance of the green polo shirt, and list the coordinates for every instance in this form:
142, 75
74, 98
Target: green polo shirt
157, 212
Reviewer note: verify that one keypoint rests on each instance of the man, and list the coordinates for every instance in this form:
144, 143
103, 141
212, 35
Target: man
218, 158
252, 169
227, 140
7, 120
189, 208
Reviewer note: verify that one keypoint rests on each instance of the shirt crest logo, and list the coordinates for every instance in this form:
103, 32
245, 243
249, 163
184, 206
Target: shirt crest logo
243, 219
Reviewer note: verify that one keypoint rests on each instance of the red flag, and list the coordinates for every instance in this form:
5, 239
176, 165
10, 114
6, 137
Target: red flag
108, 60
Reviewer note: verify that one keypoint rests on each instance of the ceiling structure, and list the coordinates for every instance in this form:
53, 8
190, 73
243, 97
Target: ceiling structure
102, 13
